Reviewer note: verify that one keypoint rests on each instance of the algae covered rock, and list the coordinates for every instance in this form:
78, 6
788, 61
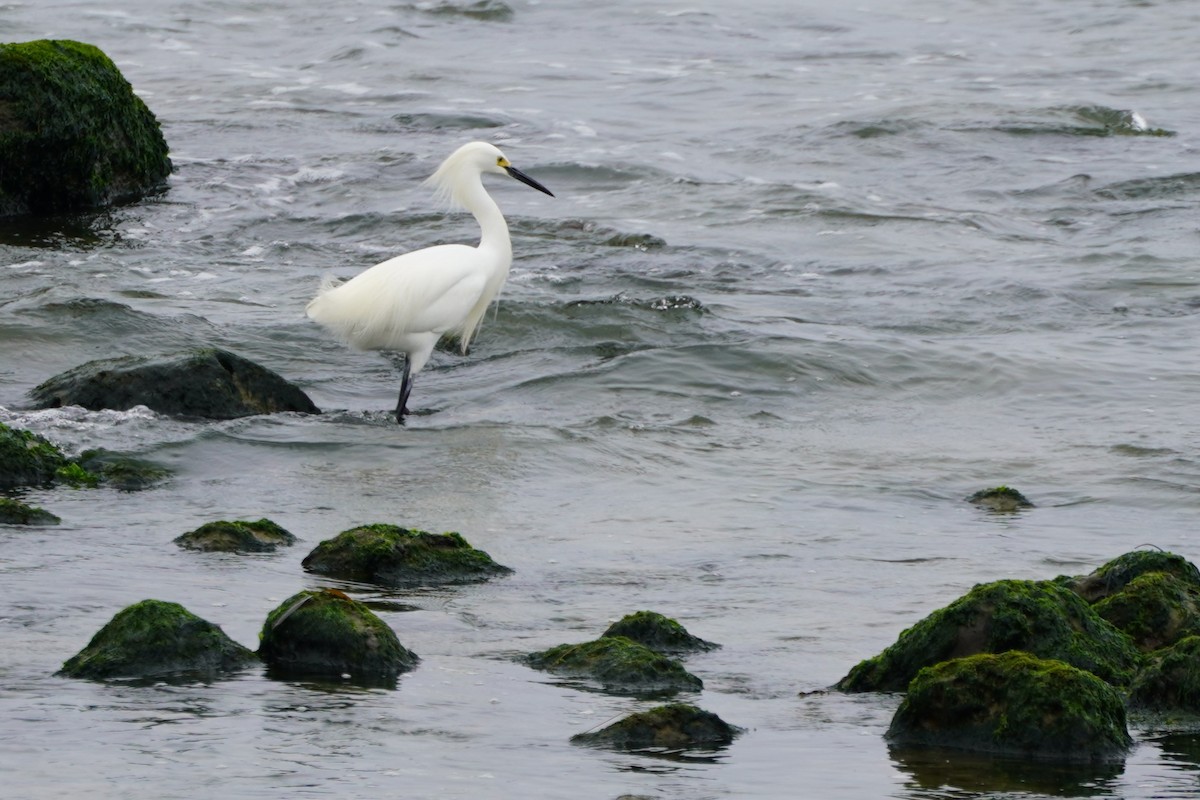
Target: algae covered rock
619, 665
400, 557
122, 472
327, 634
1003, 499
1170, 681
14, 512
73, 135
1016, 705
1122, 570
658, 633
677, 726
27, 459
1040, 617
154, 638
238, 536
207, 382
1154, 609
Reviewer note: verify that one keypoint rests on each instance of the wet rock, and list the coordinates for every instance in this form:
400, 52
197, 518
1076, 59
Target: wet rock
73, 135
1016, 705
1114, 576
122, 472
658, 632
207, 382
327, 634
1040, 617
677, 726
619, 665
1155, 609
1002, 499
27, 459
14, 512
400, 557
238, 536
1170, 681
154, 638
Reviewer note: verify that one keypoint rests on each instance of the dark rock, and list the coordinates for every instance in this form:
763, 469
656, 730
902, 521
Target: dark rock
326, 634
1170, 681
658, 633
399, 557
157, 639
122, 472
677, 726
207, 382
1002, 499
27, 459
14, 512
73, 135
619, 665
1040, 617
1013, 704
1155, 609
1118, 573
239, 536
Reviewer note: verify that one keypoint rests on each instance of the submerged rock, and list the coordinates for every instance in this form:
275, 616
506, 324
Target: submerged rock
400, 557
27, 459
1016, 705
14, 512
122, 472
658, 633
238, 536
206, 382
1002, 499
73, 135
327, 634
619, 665
154, 638
677, 726
1171, 679
1040, 617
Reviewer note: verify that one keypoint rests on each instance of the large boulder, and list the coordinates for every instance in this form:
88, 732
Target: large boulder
673, 727
157, 639
401, 557
237, 536
73, 135
1114, 576
658, 632
1040, 617
326, 634
618, 665
1013, 704
206, 382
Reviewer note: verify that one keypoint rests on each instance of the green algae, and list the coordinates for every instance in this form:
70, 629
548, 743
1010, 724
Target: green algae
658, 632
1040, 617
237, 536
327, 634
675, 726
154, 638
618, 664
14, 512
1001, 499
1118, 573
73, 135
1155, 609
1013, 704
1170, 681
401, 557
27, 459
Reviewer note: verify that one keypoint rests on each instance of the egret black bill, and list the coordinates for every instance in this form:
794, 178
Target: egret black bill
528, 181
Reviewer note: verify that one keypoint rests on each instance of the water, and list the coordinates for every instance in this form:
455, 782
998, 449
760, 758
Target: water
814, 274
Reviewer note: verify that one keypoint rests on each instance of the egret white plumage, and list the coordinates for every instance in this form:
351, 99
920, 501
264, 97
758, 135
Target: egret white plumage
407, 303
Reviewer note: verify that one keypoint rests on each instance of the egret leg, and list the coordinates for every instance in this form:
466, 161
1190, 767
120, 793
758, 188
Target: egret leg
406, 383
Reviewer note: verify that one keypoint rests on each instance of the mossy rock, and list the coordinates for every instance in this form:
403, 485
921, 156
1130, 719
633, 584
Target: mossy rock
1118, 573
1040, 617
238, 536
1003, 499
619, 665
27, 459
677, 726
1013, 704
326, 634
14, 512
658, 633
393, 556
1170, 681
1155, 609
122, 472
157, 639
73, 135
207, 382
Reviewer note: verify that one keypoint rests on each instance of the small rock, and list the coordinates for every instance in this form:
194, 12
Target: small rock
239, 536
154, 638
619, 665
1002, 499
14, 512
401, 557
658, 633
677, 726
27, 459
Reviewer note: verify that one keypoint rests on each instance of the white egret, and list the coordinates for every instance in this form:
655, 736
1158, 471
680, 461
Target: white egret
407, 303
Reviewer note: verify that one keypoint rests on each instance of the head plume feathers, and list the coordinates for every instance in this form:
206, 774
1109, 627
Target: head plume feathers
447, 183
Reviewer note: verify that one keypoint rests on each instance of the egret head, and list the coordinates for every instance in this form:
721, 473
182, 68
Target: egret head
453, 179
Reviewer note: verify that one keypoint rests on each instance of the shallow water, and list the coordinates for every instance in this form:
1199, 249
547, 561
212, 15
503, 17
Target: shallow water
813, 275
